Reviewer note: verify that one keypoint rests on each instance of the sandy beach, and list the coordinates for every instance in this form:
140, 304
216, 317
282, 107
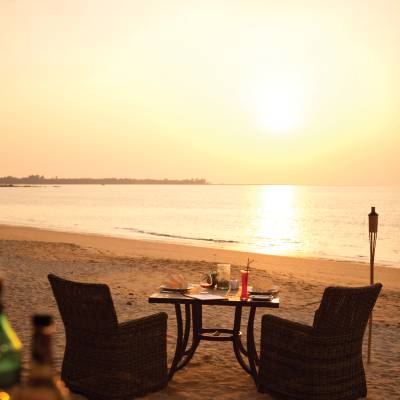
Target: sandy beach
134, 269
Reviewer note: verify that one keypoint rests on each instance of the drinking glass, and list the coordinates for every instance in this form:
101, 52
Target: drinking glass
223, 276
244, 275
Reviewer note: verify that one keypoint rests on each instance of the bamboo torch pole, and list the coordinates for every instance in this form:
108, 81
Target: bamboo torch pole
373, 232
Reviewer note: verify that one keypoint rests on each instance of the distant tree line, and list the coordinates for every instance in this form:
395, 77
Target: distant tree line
41, 180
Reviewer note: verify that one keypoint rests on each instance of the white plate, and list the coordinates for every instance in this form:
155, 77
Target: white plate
261, 297
175, 290
270, 292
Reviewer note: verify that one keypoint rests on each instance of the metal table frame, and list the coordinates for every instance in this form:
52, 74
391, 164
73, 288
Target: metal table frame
193, 317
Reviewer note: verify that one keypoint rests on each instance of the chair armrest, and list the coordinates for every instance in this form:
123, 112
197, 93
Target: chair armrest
142, 341
298, 341
147, 332
271, 322
148, 323
280, 335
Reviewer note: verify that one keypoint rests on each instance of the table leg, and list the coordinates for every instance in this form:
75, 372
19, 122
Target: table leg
187, 326
237, 343
197, 324
197, 320
251, 348
179, 342
194, 312
187, 354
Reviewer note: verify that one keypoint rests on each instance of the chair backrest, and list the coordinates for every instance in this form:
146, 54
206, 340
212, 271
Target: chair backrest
84, 306
345, 310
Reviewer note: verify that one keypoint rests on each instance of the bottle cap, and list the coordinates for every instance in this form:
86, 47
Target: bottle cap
42, 320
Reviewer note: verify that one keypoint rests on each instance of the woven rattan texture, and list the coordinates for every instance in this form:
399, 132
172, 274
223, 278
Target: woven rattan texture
322, 362
105, 360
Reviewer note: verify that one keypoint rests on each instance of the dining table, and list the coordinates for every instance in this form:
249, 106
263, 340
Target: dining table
193, 300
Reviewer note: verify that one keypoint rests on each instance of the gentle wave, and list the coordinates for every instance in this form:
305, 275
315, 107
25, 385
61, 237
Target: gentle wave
178, 236
322, 222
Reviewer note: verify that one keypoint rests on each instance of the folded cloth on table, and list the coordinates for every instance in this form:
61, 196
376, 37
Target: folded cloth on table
175, 281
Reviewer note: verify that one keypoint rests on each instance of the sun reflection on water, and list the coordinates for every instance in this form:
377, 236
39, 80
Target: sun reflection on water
276, 224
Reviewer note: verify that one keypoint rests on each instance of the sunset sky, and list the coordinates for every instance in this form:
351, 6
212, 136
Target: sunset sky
299, 92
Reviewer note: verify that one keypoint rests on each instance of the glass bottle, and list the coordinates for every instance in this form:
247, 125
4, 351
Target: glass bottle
10, 352
42, 384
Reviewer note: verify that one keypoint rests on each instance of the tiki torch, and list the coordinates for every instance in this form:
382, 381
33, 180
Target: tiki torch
373, 232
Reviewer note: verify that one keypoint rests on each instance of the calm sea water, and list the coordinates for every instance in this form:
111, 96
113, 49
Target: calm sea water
325, 222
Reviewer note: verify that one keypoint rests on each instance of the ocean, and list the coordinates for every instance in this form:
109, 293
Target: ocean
310, 221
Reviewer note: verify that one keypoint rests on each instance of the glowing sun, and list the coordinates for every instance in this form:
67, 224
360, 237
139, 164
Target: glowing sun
280, 109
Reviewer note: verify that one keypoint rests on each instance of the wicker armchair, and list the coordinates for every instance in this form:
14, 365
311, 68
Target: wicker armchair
105, 360
322, 362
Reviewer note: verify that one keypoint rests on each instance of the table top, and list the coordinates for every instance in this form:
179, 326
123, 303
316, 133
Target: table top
230, 298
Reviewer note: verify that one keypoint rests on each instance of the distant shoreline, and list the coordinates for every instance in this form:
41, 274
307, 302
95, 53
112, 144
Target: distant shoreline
11, 181
20, 185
